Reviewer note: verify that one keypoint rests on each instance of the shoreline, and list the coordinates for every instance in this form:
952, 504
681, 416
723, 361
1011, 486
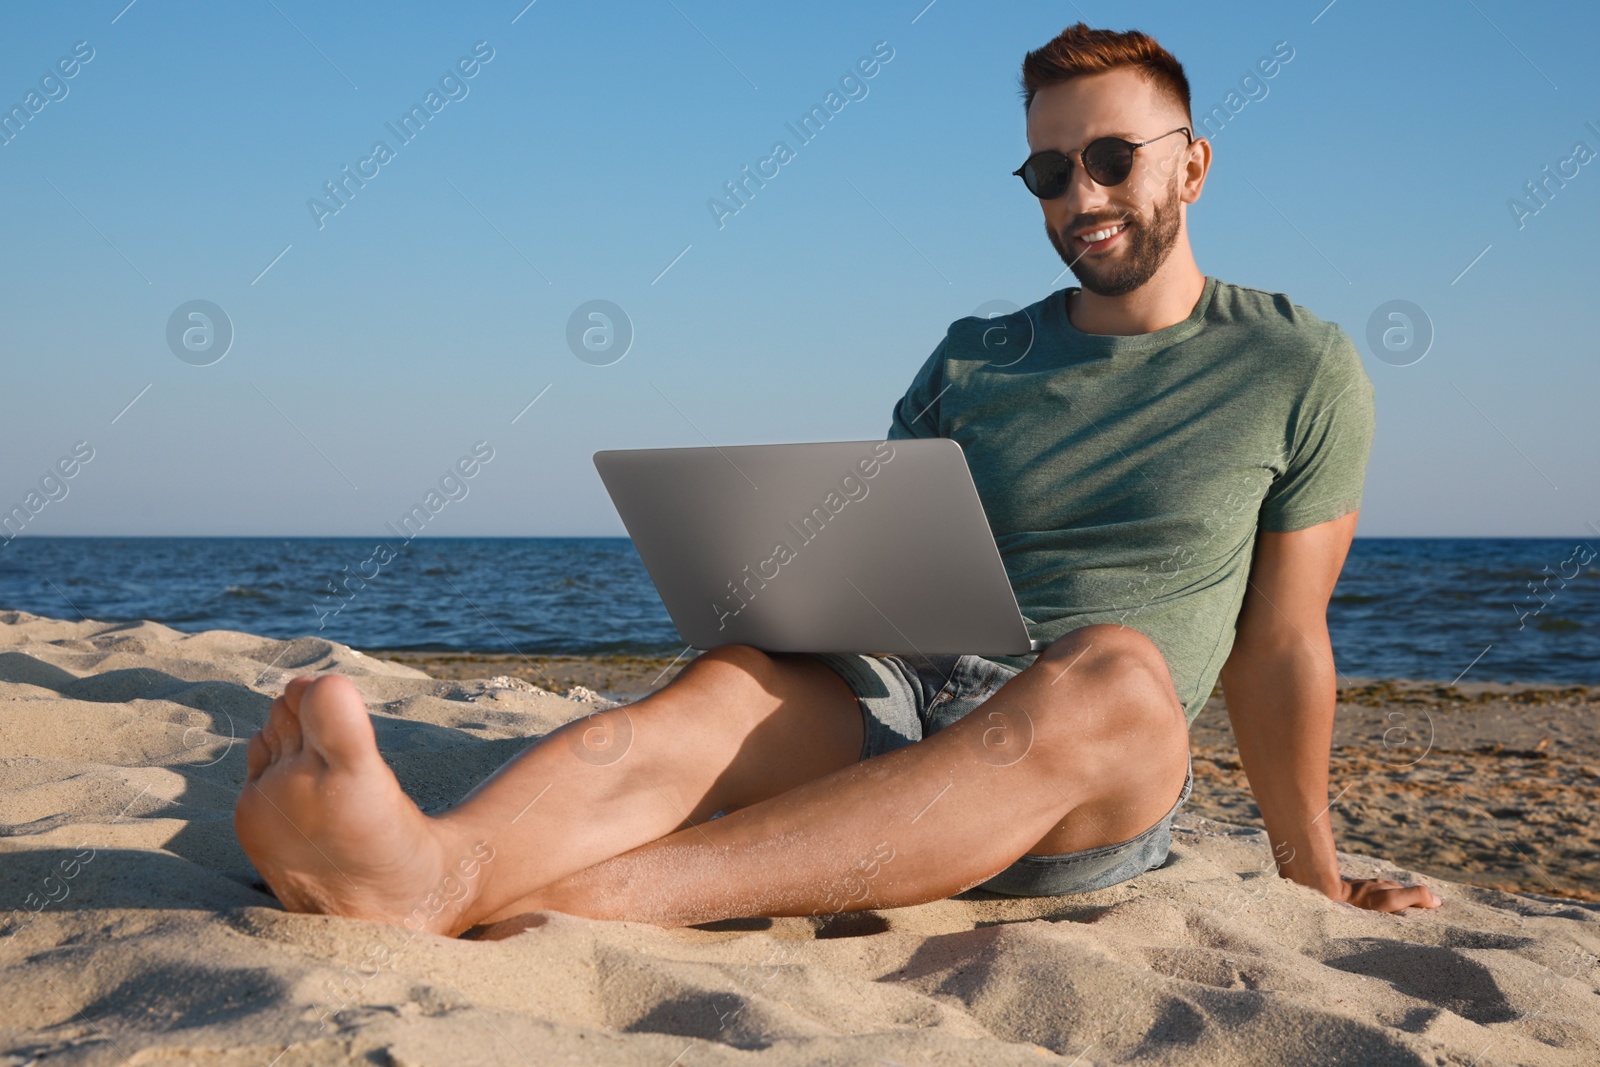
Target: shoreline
621, 677
636, 674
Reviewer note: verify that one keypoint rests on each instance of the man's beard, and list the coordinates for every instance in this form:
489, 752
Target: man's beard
1147, 247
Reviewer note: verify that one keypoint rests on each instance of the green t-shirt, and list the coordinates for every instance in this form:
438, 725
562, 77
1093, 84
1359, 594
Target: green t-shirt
1125, 477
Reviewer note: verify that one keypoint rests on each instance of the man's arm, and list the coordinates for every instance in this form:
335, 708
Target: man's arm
1281, 689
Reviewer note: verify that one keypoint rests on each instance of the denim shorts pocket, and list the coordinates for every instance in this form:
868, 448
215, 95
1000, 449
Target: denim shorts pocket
973, 681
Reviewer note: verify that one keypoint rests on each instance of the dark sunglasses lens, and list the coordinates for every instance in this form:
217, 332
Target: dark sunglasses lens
1047, 174
1108, 160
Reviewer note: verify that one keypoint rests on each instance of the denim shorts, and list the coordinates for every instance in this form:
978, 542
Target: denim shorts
906, 698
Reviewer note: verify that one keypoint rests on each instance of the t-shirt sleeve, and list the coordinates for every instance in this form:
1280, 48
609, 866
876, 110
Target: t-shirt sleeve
916, 414
1328, 444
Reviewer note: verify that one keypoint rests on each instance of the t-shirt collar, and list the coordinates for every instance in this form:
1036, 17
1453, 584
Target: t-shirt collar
1100, 344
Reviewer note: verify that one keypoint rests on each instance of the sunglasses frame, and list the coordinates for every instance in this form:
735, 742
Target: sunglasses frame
1132, 147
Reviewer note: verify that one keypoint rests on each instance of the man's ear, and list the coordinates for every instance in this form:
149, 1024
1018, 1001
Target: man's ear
1197, 166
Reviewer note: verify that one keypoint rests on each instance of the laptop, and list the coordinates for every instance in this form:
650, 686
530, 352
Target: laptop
832, 546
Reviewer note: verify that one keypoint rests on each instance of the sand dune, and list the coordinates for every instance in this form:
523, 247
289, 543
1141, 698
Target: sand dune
132, 929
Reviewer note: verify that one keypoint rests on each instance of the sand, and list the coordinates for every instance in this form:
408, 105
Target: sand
1496, 785
133, 930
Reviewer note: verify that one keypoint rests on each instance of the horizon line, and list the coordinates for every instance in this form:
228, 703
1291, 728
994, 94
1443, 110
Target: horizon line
625, 537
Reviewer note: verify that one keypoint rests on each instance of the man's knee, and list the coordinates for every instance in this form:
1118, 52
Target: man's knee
730, 685
1109, 684
728, 665
1107, 654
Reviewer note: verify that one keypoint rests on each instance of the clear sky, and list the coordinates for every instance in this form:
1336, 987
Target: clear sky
372, 346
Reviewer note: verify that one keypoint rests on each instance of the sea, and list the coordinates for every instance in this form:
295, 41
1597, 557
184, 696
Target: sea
1489, 609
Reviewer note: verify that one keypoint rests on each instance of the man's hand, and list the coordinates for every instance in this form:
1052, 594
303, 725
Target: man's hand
1379, 894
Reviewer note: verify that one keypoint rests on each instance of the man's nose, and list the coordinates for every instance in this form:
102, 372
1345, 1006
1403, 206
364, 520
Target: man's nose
1084, 196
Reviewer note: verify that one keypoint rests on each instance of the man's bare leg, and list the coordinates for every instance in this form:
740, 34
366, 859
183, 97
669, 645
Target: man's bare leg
331, 831
1086, 747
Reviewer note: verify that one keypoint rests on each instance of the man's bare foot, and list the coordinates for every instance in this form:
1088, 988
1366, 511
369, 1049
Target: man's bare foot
327, 825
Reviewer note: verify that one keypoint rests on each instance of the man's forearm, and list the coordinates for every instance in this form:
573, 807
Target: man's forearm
1281, 703
1280, 682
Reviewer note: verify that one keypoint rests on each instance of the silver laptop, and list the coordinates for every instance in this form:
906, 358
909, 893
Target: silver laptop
834, 546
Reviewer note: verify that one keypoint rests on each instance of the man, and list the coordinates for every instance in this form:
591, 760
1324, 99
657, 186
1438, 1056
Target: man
1172, 470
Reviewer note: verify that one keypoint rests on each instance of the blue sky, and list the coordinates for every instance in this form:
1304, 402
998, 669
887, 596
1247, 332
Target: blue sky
576, 165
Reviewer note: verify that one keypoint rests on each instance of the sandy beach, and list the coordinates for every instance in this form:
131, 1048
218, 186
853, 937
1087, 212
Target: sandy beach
133, 930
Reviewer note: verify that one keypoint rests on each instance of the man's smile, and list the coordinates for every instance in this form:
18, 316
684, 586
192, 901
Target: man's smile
1100, 238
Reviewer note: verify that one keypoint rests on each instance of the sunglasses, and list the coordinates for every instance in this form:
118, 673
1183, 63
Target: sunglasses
1106, 160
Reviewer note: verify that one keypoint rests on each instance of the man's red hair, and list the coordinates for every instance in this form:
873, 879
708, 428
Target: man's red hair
1079, 50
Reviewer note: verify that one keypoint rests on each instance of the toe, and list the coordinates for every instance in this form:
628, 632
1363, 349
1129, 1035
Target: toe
285, 726
256, 757
268, 735
295, 688
334, 723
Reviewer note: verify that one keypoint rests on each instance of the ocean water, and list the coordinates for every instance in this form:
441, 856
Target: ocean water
1513, 609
